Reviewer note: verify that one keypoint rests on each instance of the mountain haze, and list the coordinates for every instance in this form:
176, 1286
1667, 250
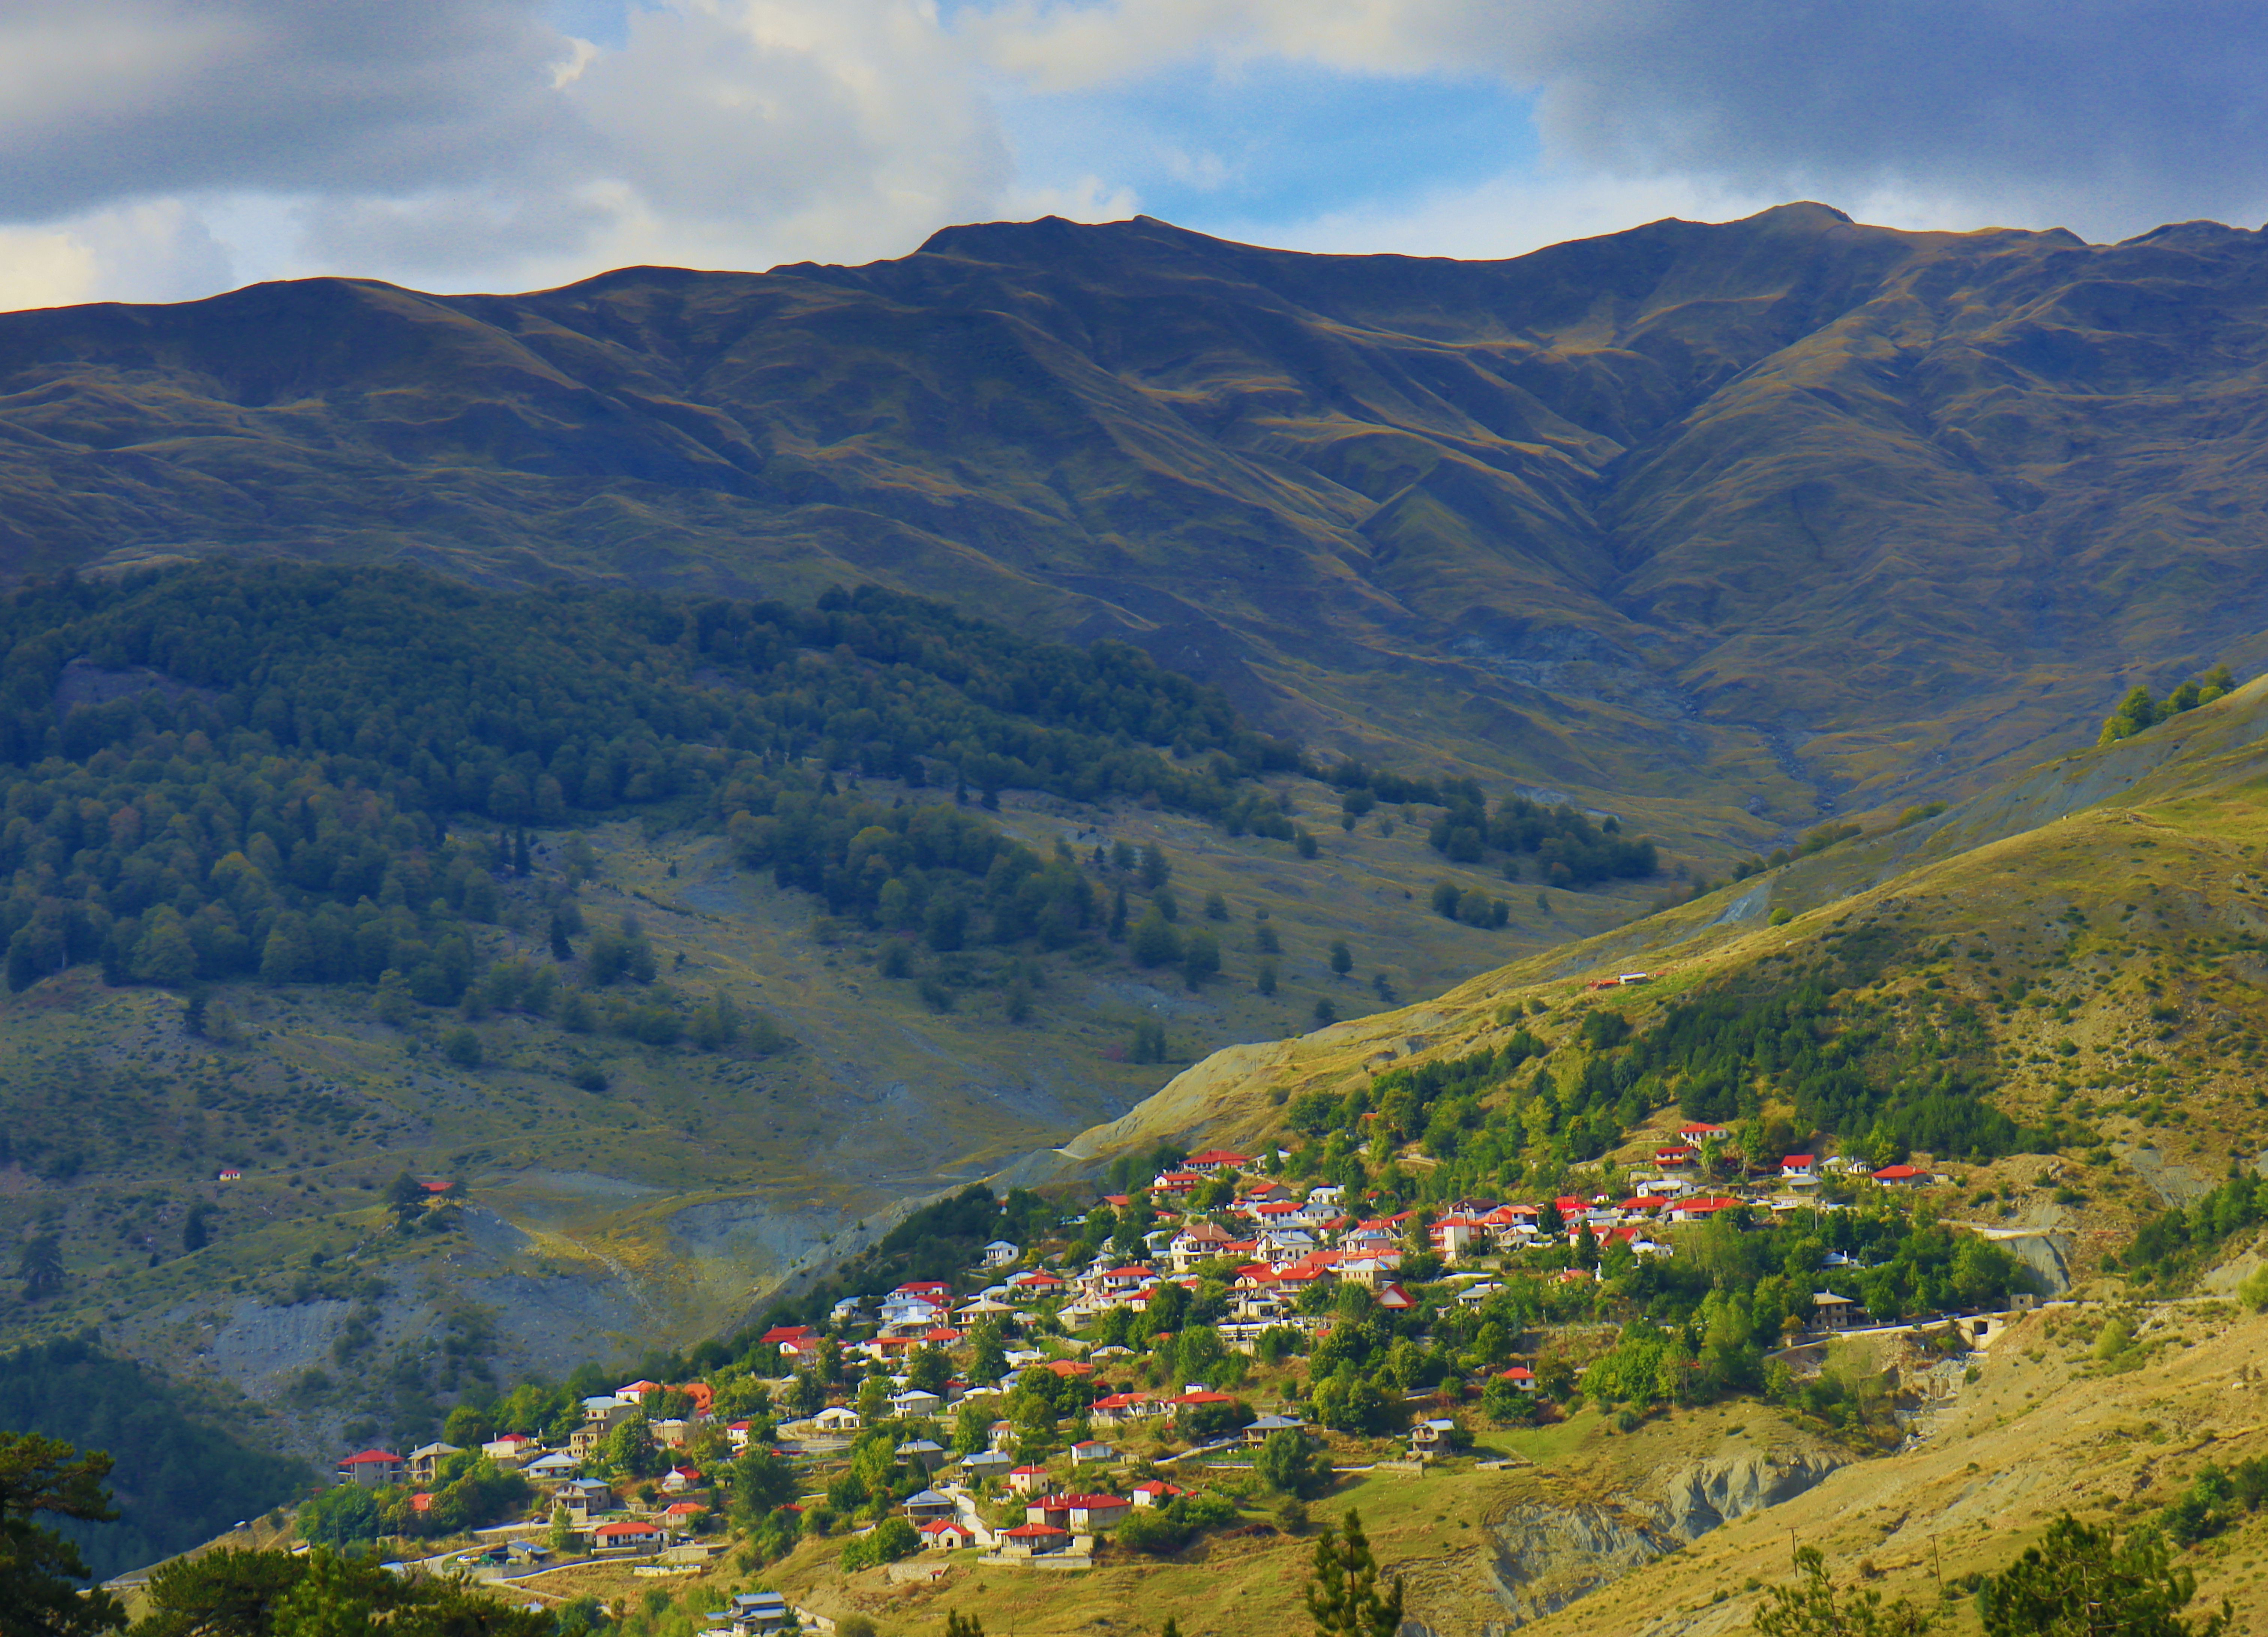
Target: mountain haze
1720, 527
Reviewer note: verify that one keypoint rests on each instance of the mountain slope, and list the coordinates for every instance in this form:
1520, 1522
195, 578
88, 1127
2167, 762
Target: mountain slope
2092, 934
1720, 527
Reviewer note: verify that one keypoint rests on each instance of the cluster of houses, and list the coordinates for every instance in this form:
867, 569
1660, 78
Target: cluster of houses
1279, 1244
681, 1495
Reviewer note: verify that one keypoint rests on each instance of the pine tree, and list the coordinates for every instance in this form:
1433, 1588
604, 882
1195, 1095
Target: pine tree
1343, 1596
40, 1265
1341, 957
1117, 928
522, 861
2078, 1582
38, 1566
1815, 1608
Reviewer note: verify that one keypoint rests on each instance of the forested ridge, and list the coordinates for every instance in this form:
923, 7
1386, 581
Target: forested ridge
320, 775
317, 774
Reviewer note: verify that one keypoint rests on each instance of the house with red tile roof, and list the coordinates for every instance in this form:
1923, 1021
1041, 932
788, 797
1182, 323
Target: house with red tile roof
945, 1534
372, 1468
1032, 1540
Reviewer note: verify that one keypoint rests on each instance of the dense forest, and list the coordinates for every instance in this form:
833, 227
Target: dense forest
318, 775
183, 1475
315, 775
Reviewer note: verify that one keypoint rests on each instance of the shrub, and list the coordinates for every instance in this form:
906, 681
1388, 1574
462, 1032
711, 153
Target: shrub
462, 1047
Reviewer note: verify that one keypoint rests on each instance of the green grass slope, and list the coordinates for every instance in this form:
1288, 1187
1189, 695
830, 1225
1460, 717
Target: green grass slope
1721, 528
2082, 949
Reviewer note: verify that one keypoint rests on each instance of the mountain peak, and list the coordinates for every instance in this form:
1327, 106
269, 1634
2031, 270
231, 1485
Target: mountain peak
1801, 213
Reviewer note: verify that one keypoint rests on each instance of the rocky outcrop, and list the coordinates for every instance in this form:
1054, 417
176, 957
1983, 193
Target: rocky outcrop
1699, 1497
1535, 1557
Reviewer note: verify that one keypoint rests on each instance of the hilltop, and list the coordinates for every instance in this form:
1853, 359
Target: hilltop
1612, 519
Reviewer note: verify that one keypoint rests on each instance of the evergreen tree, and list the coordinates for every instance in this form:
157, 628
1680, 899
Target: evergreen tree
1814, 1607
1343, 1595
1341, 957
2080, 1581
1200, 958
1117, 929
40, 1265
1155, 942
38, 1566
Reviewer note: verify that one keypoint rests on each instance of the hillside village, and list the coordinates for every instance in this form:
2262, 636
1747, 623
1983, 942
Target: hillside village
1228, 1341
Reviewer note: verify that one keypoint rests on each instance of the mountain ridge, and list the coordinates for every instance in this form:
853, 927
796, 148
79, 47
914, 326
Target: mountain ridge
1613, 517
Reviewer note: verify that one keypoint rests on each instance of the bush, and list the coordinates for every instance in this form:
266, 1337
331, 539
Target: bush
462, 1047
2253, 1291
886, 1542
1290, 1465
1153, 1531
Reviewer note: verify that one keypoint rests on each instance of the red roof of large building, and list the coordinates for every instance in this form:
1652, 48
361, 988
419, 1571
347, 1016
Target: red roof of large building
371, 1457
1030, 1531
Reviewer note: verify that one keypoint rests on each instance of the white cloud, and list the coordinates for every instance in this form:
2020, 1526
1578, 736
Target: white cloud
158, 250
2108, 116
159, 148
482, 147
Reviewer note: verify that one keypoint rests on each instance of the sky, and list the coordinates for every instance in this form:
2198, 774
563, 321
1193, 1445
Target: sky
166, 150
